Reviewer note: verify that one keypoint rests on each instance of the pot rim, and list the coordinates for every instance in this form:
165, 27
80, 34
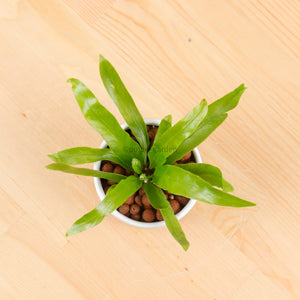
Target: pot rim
127, 220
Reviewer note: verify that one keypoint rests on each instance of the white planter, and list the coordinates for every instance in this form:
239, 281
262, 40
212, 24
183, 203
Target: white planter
128, 220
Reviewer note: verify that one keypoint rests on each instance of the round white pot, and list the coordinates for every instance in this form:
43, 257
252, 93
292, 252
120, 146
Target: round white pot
130, 221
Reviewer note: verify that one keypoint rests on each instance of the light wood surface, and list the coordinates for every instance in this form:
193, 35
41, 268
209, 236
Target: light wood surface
170, 54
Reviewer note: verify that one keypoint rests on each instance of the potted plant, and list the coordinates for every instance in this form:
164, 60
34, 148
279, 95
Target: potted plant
147, 173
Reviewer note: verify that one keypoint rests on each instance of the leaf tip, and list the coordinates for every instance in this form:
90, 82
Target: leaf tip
241, 88
204, 101
101, 58
186, 246
168, 118
70, 231
248, 204
52, 157
49, 167
227, 187
73, 81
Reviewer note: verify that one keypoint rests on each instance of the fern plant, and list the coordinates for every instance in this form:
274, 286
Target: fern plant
152, 166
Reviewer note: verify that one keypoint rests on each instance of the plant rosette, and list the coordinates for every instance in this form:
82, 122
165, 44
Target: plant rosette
142, 224
147, 161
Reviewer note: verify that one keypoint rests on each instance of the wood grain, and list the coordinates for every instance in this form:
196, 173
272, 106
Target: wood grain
170, 54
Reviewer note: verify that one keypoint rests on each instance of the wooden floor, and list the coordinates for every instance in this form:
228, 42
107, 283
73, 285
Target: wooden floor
170, 54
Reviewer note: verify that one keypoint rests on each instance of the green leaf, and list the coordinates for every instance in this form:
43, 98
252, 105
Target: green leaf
209, 173
216, 115
164, 125
85, 172
136, 166
158, 200
205, 129
167, 143
174, 227
82, 155
143, 177
155, 195
181, 182
106, 124
227, 187
113, 199
111, 188
227, 102
121, 97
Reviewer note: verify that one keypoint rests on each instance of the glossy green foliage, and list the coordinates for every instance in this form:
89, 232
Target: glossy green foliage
83, 155
227, 102
210, 174
115, 198
152, 167
168, 142
164, 125
106, 124
157, 197
181, 182
85, 172
158, 200
136, 166
119, 94
174, 227
216, 115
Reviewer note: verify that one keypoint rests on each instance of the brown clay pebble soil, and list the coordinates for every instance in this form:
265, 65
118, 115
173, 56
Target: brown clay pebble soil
134, 209
136, 217
175, 206
130, 200
128, 172
124, 209
146, 202
182, 200
187, 156
152, 132
108, 167
148, 215
159, 216
110, 182
119, 170
138, 200
141, 191
137, 206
